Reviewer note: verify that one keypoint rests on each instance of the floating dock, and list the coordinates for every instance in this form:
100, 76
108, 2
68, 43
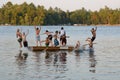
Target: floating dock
44, 48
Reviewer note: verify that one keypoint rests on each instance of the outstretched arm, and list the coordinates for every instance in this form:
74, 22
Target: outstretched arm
40, 28
27, 32
35, 27
95, 28
21, 30
16, 35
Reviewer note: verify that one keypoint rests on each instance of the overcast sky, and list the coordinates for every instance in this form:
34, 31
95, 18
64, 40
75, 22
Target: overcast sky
70, 5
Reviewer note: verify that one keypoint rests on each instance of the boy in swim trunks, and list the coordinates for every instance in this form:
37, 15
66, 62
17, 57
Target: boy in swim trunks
50, 36
56, 42
93, 31
25, 43
37, 31
47, 42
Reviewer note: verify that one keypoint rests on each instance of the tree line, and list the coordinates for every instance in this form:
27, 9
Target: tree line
29, 14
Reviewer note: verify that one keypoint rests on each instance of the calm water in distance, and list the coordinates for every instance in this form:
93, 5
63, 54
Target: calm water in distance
102, 64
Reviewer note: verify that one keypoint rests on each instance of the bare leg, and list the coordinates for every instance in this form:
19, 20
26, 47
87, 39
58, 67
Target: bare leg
51, 43
60, 43
88, 38
20, 45
63, 44
37, 43
40, 43
90, 43
77, 44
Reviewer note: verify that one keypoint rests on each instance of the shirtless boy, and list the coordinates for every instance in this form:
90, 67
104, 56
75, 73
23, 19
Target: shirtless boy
93, 31
37, 31
24, 35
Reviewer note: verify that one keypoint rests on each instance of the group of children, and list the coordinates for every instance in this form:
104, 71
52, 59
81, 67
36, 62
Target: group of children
22, 37
59, 38
89, 40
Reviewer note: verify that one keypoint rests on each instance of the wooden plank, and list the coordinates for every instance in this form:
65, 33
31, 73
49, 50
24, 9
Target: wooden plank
42, 48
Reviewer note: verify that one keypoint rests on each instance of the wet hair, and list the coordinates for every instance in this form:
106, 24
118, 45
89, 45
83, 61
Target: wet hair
62, 28
18, 30
47, 31
56, 31
37, 28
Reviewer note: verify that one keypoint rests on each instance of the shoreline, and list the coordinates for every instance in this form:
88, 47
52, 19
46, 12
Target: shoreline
105, 25
77, 25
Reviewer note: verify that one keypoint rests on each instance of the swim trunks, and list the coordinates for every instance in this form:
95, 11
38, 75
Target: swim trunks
38, 37
20, 40
25, 43
56, 42
93, 38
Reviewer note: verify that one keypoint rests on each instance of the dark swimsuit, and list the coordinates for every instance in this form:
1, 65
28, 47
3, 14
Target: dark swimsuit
93, 38
25, 43
20, 40
50, 37
64, 40
56, 42
47, 44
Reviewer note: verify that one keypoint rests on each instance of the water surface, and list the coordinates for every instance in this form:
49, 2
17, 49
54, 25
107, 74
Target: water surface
102, 64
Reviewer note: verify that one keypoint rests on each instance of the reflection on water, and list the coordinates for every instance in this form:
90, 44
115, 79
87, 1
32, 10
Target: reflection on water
101, 63
37, 56
21, 64
48, 57
63, 57
58, 59
55, 57
92, 60
21, 58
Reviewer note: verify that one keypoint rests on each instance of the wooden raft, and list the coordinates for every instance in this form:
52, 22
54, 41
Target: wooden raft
42, 48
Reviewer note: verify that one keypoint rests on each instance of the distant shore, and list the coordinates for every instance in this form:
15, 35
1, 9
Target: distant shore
96, 25
67, 25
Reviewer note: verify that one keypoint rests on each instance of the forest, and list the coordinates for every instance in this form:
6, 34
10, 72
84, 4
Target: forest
29, 14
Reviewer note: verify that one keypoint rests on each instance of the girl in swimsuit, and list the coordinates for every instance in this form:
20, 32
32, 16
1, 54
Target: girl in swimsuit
37, 31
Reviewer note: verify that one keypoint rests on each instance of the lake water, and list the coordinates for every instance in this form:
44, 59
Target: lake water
102, 64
